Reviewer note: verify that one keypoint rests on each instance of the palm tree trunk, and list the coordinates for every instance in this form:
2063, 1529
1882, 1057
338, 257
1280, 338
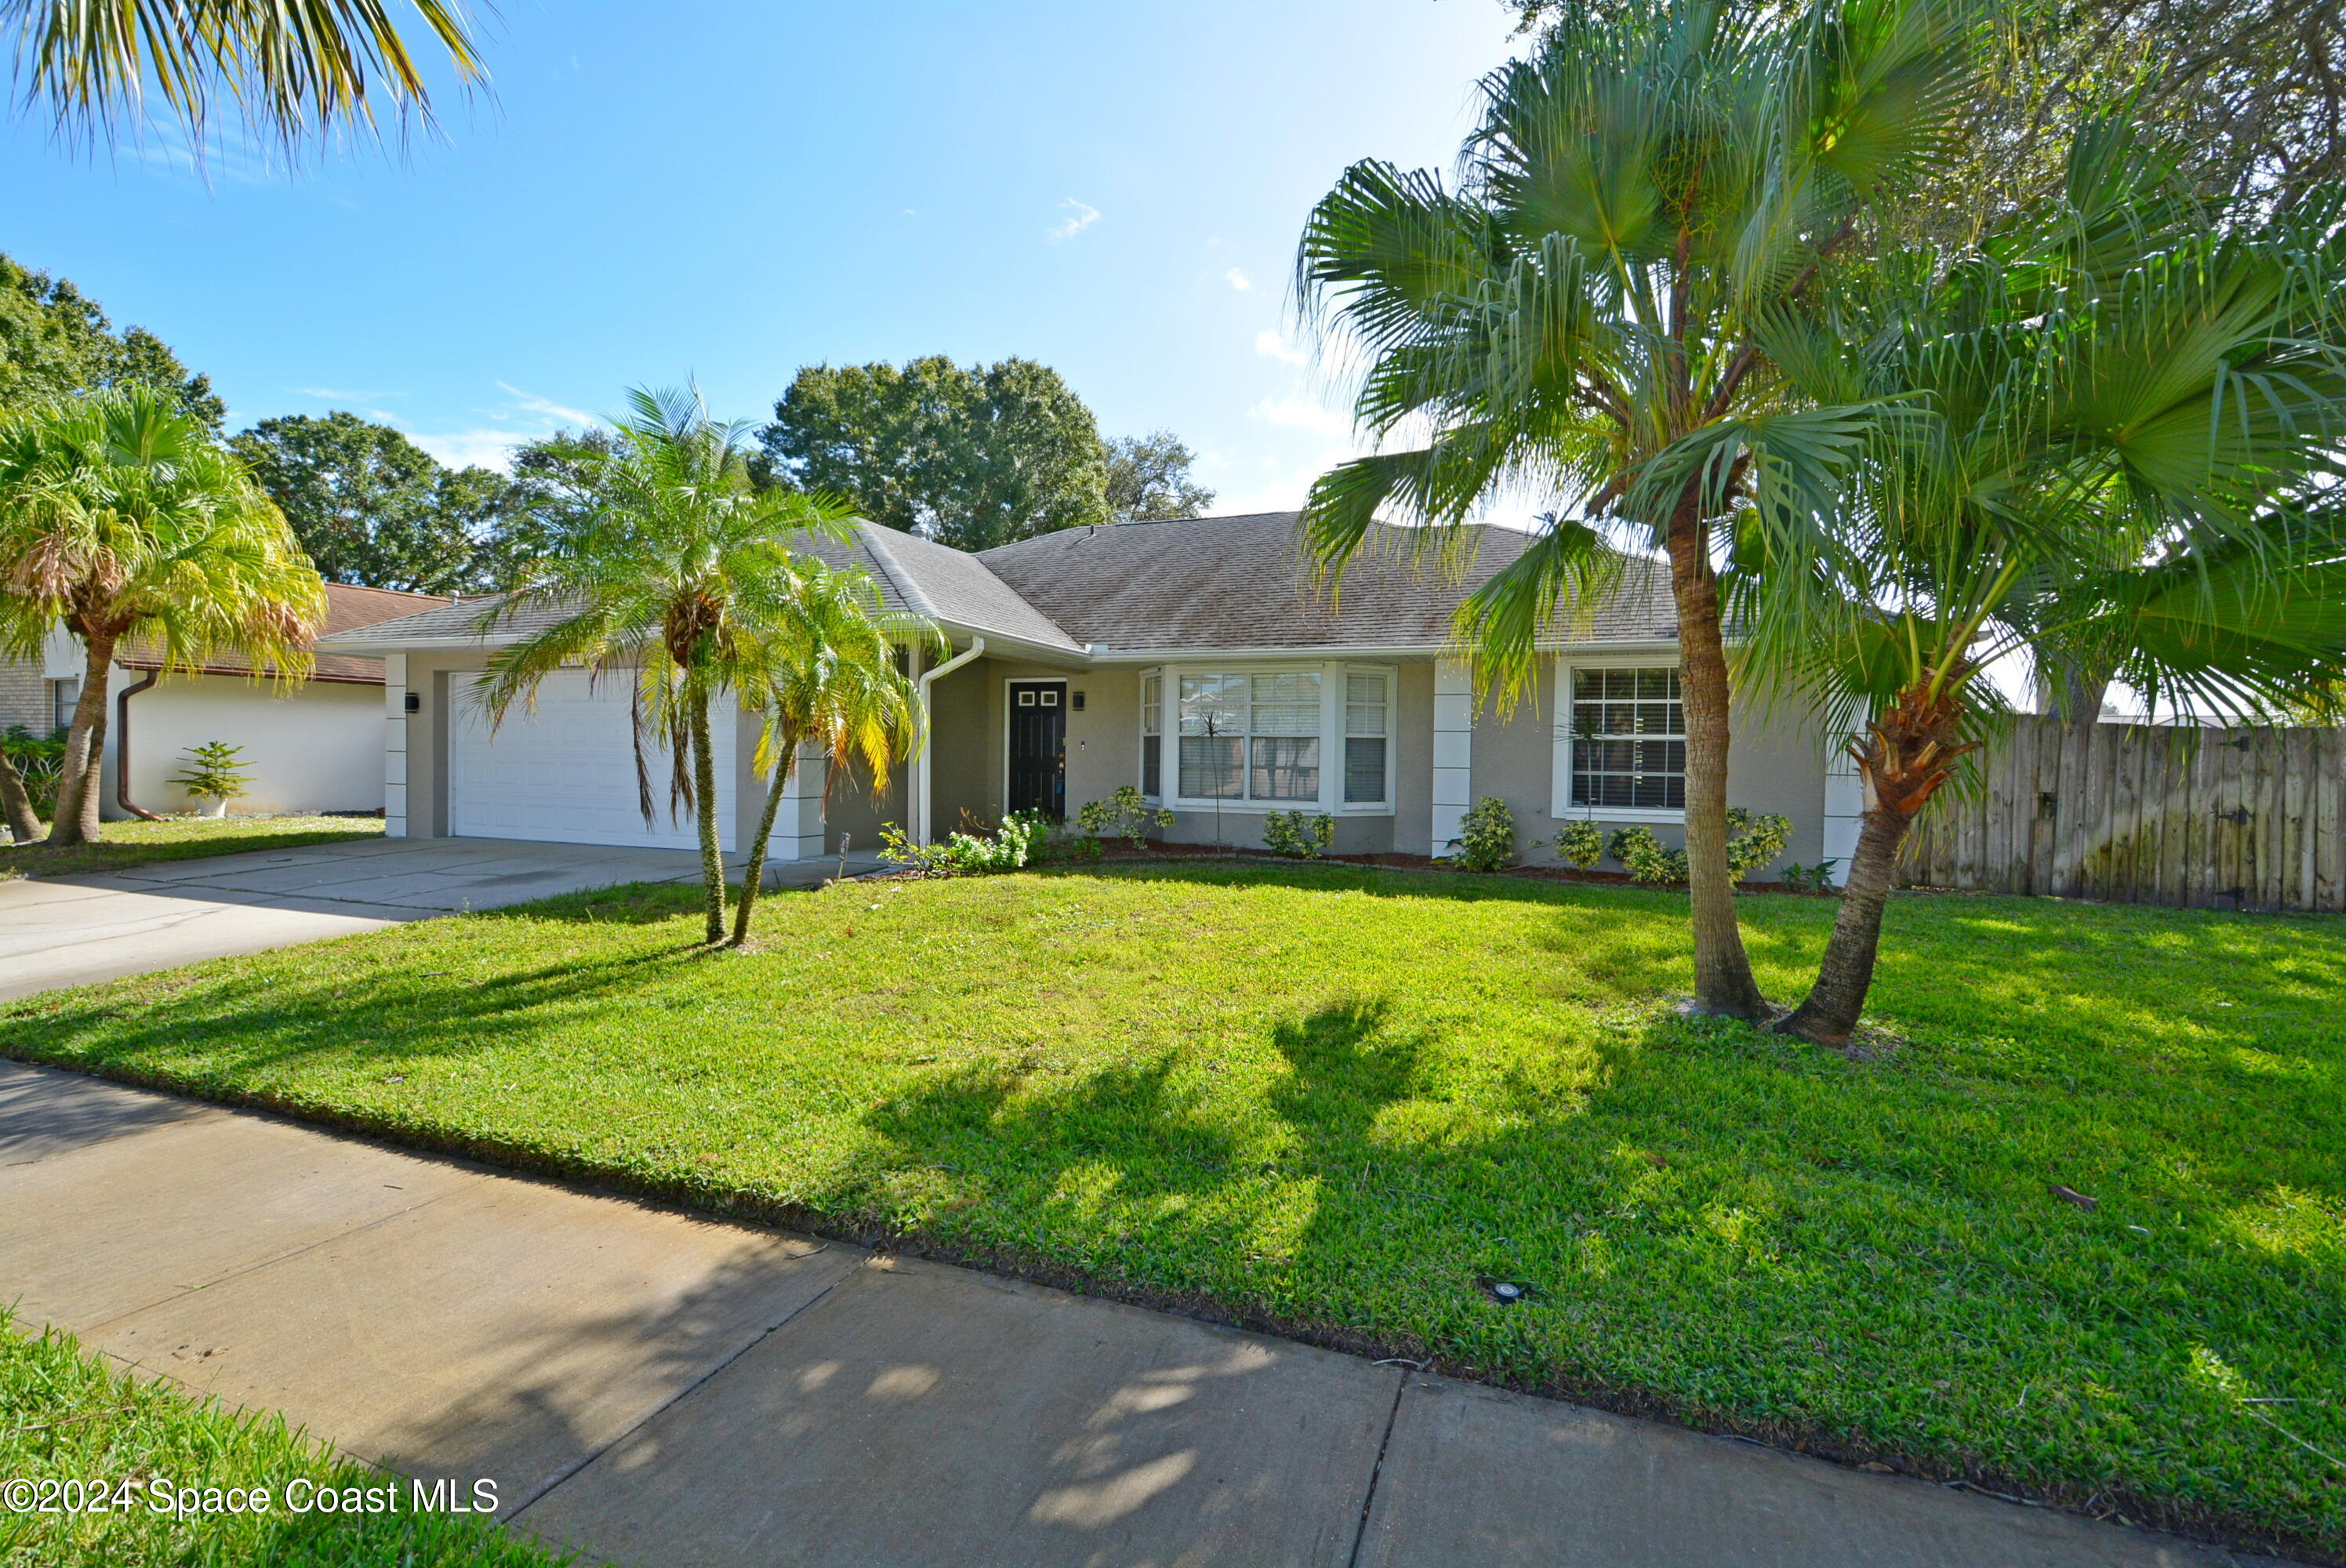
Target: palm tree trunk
16, 803
704, 789
1829, 1014
1909, 754
80, 783
1722, 972
754, 872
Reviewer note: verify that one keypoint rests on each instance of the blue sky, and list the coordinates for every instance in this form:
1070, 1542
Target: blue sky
729, 191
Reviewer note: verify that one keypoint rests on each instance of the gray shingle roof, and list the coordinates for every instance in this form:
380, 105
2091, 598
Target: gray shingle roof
1207, 584
1237, 583
956, 588
450, 624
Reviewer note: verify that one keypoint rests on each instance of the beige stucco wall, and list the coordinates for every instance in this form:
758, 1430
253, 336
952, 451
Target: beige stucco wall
1779, 765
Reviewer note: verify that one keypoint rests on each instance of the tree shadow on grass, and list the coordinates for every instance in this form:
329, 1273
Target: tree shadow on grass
228, 1031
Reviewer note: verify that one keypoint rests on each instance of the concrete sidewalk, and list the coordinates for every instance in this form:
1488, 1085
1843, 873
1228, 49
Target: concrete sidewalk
79, 930
663, 1391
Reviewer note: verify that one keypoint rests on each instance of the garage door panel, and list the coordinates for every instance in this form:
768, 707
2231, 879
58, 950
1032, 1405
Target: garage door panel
565, 772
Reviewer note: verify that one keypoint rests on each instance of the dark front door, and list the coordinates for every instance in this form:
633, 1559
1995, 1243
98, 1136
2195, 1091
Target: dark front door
1038, 748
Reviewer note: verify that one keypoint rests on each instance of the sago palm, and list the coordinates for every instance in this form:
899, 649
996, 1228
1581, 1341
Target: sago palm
2113, 417
660, 556
1642, 199
121, 518
827, 676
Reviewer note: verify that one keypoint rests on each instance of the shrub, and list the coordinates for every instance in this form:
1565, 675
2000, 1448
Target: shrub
1125, 815
40, 761
1486, 837
1006, 848
1298, 833
1816, 879
1580, 844
1752, 842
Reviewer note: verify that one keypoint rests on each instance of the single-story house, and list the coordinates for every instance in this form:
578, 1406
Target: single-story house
1194, 658
315, 747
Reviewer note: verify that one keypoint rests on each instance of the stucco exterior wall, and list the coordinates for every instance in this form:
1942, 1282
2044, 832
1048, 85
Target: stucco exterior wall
1776, 764
1779, 763
313, 747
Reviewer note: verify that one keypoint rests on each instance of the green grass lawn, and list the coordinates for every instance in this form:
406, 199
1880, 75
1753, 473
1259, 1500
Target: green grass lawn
1335, 1099
181, 839
66, 1415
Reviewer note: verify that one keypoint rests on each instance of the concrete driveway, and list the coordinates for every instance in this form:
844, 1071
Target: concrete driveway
75, 931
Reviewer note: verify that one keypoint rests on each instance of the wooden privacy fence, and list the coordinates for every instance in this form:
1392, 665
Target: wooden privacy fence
2223, 819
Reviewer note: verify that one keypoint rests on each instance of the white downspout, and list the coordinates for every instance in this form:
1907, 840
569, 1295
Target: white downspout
921, 810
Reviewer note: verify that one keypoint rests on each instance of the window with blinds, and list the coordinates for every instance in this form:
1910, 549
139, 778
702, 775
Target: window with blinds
1283, 737
1286, 738
1629, 739
1213, 737
1152, 736
1366, 740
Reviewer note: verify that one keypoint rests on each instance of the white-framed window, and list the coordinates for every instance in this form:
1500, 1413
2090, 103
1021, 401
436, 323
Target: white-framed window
1621, 741
64, 695
1368, 737
1280, 738
1152, 734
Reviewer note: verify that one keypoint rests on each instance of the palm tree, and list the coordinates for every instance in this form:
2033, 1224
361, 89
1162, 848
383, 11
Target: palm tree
660, 556
1592, 305
827, 675
121, 518
298, 73
2115, 414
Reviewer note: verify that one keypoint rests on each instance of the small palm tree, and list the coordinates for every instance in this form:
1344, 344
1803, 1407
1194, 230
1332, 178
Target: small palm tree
297, 73
2113, 415
827, 676
1644, 201
661, 557
121, 518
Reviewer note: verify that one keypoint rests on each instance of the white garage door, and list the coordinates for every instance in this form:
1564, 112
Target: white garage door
566, 773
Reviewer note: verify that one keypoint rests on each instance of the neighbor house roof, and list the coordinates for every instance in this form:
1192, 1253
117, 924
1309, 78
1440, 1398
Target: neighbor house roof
348, 608
1227, 583
1199, 584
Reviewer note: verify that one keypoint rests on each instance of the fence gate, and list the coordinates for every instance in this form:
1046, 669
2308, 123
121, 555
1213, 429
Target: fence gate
2224, 818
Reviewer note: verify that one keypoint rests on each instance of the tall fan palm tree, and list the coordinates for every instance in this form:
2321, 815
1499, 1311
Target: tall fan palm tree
297, 72
1642, 199
121, 518
826, 675
2114, 415
662, 557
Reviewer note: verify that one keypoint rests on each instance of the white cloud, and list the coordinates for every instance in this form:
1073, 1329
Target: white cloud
1080, 217
1302, 413
334, 394
530, 402
1238, 279
471, 448
1276, 345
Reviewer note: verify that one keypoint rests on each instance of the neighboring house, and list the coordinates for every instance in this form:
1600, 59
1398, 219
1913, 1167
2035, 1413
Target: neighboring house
315, 747
1197, 658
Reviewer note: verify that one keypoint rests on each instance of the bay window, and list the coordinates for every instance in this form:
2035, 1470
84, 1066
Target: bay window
1285, 738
